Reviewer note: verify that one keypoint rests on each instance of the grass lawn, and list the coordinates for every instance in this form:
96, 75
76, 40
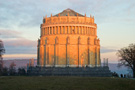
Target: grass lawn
65, 83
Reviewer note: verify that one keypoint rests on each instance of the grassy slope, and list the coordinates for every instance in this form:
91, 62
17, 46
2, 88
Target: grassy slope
65, 83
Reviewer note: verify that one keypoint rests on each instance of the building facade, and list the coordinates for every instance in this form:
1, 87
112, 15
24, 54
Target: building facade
68, 39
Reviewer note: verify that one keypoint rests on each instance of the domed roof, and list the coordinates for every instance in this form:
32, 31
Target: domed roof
70, 12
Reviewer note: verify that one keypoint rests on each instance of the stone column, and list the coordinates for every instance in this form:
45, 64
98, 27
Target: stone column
54, 55
63, 29
41, 55
96, 57
44, 55
57, 54
66, 56
56, 29
52, 29
38, 53
67, 29
92, 59
88, 56
49, 29
84, 30
71, 30
60, 29
81, 29
87, 30
42, 31
45, 30
78, 50
77, 29
47, 54
78, 55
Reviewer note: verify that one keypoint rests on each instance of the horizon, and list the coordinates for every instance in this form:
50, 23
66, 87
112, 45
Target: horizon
23, 63
20, 24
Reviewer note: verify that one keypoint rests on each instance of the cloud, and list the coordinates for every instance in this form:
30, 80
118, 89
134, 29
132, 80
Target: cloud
107, 50
21, 50
10, 33
20, 46
22, 42
20, 13
29, 13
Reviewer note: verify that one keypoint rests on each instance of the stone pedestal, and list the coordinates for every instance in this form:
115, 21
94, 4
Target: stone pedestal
70, 71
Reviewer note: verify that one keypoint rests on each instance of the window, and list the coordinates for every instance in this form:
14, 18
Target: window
95, 41
53, 30
50, 30
88, 41
67, 40
73, 31
56, 40
79, 40
46, 40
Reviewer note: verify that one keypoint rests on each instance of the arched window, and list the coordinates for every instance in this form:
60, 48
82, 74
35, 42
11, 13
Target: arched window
68, 40
57, 29
53, 30
95, 41
63, 29
60, 30
78, 30
73, 31
56, 40
50, 30
46, 40
79, 40
88, 40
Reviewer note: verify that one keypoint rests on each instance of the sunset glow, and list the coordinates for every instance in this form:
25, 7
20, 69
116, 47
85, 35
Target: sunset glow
20, 24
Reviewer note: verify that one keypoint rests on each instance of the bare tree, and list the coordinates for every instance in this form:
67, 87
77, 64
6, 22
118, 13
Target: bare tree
1, 67
2, 50
12, 70
127, 57
21, 71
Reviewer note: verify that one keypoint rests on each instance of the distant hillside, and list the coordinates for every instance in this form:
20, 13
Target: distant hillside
19, 63
114, 68
23, 63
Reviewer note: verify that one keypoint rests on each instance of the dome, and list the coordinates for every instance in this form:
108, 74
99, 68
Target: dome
70, 12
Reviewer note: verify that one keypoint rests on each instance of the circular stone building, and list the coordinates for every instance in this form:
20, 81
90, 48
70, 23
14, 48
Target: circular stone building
68, 39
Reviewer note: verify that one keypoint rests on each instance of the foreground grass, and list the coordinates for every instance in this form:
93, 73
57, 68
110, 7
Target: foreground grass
65, 83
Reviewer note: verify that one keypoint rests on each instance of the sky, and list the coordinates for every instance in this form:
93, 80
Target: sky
20, 24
